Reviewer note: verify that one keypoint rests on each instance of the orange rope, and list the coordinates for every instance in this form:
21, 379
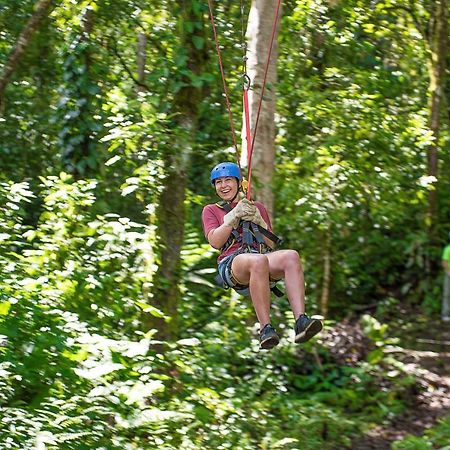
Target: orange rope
225, 88
246, 86
269, 55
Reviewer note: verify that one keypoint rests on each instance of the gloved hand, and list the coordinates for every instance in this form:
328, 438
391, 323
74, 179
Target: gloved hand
244, 207
247, 207
255, 217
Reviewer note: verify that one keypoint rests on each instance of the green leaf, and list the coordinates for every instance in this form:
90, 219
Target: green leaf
198, 42
4, 308
189, 26
375, 356
151, 309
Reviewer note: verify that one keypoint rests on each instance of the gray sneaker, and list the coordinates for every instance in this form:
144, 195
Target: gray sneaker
306, 328
268, 337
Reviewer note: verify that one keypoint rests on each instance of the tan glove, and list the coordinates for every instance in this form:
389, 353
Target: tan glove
244, 207
255, 217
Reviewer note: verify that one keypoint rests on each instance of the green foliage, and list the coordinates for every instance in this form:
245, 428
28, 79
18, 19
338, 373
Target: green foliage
78, 373
412, 443
80, 105
97, 263
80, 367
435, 437
353, 136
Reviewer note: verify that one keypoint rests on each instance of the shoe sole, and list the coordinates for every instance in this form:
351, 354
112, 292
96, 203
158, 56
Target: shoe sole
269, 343
311, 330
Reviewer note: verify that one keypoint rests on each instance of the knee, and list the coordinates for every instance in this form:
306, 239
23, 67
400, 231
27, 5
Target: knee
292, 258
259, 264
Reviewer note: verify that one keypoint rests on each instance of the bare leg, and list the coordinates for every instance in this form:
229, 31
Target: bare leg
286, 264
253, 269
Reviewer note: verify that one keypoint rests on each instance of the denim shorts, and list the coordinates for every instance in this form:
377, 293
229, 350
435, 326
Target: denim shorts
229, 281
224, 269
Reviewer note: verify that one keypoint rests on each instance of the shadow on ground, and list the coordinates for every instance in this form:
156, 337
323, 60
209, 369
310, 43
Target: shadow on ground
426, 354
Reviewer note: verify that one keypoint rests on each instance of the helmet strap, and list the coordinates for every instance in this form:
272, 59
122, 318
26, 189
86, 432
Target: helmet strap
234, 198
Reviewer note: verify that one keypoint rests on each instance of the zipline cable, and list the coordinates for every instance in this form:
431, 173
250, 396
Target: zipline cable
245, 88
225, 88
269, 55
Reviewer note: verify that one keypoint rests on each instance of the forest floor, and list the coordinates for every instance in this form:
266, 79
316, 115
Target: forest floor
424, 347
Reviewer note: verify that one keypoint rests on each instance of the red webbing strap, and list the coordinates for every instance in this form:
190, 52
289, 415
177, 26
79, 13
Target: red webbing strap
248, 136
225, 88
246, 86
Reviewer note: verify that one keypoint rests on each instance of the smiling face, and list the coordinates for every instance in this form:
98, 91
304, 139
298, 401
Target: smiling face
226, 188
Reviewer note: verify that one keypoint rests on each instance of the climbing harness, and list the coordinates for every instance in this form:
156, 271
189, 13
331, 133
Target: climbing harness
252, 234
250, 135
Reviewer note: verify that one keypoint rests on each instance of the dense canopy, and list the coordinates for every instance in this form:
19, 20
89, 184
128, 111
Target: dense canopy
113, 334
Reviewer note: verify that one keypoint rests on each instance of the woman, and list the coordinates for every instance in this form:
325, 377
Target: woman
251, 267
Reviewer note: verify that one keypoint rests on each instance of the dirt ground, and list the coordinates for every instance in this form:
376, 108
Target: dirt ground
426, 353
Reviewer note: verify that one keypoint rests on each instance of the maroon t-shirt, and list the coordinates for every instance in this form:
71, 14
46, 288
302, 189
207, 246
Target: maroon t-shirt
212, 218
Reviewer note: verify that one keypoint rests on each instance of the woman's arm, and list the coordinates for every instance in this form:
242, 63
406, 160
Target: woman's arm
218, 236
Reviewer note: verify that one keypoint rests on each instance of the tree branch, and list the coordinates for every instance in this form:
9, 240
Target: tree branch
420, 26
41, 9
127, 69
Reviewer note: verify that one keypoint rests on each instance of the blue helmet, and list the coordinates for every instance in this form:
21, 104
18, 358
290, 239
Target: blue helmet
225, 169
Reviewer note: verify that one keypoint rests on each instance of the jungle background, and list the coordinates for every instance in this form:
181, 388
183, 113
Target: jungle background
113, 334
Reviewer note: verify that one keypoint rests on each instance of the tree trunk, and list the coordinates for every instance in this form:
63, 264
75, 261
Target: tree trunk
438, 43
436, 67
259, 33
141, 60
80, 158
177, 161
171, 217
41, 9
326, 281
